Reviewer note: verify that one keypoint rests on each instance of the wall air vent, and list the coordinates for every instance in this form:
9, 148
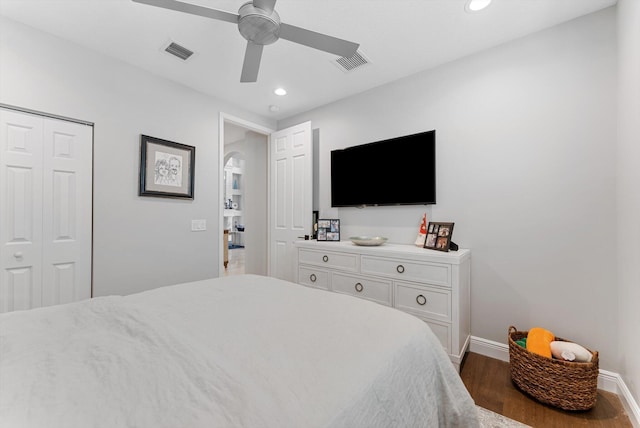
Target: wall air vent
179, 51
353, 62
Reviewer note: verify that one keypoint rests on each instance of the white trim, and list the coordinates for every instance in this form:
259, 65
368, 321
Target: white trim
630, 405
607, 381
489, 348
245, 124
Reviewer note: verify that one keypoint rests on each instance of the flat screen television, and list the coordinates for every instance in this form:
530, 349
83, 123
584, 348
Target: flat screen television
397, 171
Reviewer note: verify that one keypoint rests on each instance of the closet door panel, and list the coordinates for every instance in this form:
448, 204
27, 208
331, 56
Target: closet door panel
21, 211
67, 207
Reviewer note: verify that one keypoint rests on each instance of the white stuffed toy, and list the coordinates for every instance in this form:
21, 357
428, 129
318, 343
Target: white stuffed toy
569, 351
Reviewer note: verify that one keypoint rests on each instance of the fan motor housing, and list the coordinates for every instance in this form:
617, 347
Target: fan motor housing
258, 26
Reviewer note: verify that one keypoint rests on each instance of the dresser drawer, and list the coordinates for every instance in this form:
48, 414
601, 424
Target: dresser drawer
431, 285
433, 273
313, 277
431, 302
328, 259
442, 332
366, 288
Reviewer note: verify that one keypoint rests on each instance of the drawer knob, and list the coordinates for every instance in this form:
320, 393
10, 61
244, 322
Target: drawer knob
312, 277
421, 300
400, 268
359, 287
325, 258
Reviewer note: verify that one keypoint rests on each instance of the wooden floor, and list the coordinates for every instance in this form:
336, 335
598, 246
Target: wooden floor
489, 382
236, 262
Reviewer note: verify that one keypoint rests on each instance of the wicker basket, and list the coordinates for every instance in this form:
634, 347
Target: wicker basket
563, 384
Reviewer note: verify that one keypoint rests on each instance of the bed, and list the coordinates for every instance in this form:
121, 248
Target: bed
239, 351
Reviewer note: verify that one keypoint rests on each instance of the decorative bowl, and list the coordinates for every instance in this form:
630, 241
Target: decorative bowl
368, 240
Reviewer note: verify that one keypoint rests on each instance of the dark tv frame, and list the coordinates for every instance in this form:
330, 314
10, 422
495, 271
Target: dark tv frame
361, 152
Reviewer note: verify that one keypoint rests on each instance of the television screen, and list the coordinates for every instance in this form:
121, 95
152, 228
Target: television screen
397, 171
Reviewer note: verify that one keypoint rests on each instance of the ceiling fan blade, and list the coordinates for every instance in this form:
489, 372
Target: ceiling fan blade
192, 9
266, 5
251, 63
318, 40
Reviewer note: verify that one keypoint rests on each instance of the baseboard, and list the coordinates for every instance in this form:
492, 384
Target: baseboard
607, 381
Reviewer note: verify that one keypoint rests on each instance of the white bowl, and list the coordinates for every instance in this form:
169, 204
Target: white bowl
368, 240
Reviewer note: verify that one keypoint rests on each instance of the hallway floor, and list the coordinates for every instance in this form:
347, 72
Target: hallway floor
236, 262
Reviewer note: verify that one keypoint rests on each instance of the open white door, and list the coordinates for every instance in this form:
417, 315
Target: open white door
291, 195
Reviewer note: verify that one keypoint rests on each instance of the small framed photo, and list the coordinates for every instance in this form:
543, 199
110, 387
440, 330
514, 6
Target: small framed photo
166, 168
439, 236
328, 230
314, 221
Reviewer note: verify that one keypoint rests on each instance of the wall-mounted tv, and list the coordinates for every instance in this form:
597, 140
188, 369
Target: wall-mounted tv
397, 171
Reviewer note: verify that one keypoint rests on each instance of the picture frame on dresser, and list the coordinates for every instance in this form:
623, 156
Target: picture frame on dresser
328, 229
439, 236
314, 220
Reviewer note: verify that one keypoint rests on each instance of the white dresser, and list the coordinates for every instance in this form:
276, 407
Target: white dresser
432, 285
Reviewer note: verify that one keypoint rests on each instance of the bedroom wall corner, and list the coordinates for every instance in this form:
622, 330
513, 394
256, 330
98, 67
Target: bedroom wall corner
628, 200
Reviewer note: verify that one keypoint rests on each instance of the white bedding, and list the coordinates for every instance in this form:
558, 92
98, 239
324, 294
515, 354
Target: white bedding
240, 351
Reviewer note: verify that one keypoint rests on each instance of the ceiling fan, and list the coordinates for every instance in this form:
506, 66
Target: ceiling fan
260, 24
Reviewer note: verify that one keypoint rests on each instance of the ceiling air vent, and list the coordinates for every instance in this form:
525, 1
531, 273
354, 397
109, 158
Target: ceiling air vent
353, 62
179, 51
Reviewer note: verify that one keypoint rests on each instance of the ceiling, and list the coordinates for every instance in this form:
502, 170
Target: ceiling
397, 37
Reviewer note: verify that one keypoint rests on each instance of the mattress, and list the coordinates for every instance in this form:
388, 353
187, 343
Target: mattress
239, 351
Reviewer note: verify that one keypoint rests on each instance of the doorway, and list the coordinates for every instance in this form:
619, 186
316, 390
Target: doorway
234, 207
244, 203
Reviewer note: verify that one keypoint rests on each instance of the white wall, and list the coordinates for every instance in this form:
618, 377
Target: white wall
628, 190
256, 204
139, 243
526, 138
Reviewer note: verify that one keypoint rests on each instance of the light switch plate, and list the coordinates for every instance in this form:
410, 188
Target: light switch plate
198, 225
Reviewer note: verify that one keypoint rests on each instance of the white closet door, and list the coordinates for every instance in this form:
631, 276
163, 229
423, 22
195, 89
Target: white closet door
45, 211
20, 211
66, 227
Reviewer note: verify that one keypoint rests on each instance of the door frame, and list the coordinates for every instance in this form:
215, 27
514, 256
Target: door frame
260, 129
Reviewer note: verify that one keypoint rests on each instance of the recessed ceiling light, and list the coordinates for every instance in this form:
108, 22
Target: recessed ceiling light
280, 91
476, 5
274, 108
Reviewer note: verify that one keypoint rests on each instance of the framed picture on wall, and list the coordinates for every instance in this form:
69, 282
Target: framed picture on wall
328, 230
166, 168
439, 236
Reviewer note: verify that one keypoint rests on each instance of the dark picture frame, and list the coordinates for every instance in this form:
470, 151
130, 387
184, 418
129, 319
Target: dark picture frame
439, 236
314, 221
328, 229
166, 168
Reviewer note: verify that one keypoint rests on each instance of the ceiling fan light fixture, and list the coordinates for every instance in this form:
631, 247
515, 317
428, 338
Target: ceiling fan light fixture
280, 91
258, 26
476, 5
